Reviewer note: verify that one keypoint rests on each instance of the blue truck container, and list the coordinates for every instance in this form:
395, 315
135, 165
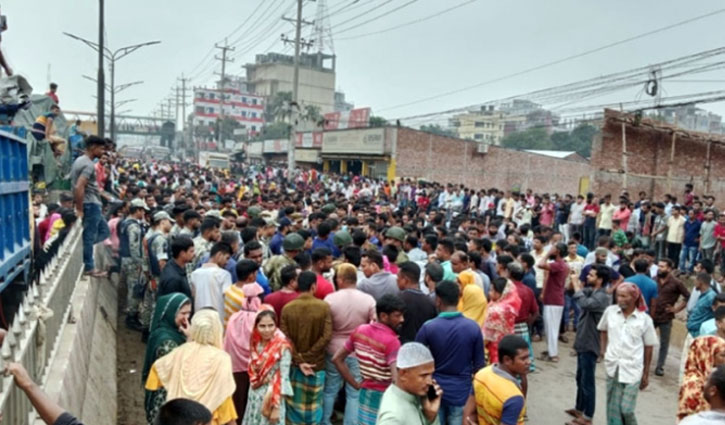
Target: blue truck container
15, 214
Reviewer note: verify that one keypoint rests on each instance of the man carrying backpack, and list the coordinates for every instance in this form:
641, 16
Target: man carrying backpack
156, 254
131, 237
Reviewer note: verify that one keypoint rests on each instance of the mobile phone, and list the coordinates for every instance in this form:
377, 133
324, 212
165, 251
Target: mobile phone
432, 393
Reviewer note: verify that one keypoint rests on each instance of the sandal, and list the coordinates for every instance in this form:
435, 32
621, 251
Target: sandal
574, 413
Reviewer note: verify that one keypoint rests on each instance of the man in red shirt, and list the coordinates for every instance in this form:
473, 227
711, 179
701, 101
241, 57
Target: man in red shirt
529, 311
321, 264
552, 296
288, 292
52, 93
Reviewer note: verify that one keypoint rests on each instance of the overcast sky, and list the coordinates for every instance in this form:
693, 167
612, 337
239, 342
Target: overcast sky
472, 44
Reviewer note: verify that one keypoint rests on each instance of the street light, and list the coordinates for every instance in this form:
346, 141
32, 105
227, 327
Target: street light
119, 88
112, 56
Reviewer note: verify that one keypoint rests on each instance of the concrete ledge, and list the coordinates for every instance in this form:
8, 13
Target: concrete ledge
82, 374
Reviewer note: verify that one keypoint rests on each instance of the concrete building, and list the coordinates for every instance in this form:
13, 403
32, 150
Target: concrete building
691, 118
486, 125
247, 109
274, 72
342, 105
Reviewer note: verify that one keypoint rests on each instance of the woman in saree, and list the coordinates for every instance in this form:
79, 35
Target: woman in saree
705, 354
269, 370
473, 303
169, 329
199, 369
501, 316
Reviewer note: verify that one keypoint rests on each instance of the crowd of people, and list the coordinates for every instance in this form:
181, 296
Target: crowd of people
272, 297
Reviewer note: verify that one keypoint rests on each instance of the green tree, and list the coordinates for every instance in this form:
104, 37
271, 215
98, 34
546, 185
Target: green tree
311, 113
437, 129
277, 106
378, 121
275, 130
533, 138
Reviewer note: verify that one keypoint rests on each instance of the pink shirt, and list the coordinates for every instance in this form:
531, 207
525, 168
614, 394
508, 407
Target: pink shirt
546, 216
376, 348
349, 308
623, 216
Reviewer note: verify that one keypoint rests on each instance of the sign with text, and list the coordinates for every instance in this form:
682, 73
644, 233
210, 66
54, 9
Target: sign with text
276, 145
362, 141
356, 118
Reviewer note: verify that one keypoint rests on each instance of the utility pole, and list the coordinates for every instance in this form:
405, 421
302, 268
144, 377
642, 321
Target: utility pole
101, 89
183, 101
225, 48
295, 108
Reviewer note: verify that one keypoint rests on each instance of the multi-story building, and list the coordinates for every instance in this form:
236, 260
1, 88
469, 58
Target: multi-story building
691, 118
247, 109
273, 73
342, 105
486, 125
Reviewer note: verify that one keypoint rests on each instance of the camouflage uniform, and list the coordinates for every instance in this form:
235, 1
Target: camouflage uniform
159, 246
133, 266
273, 268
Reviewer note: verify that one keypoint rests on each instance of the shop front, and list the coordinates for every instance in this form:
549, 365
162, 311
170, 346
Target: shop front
364, 152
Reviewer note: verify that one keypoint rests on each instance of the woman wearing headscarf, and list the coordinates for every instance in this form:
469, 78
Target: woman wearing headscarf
501, 315
236, 341
168, 330
473, 301
199, 370
269, 371
705, 353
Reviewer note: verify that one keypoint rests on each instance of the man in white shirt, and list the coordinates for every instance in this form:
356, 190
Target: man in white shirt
627, 338
210, 281
576, 216
606, 214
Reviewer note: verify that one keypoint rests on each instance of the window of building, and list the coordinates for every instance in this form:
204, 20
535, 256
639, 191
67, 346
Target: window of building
199, 109
244, 100
244, 113
254, 115
254, 101
254, 128
478, 136
211, 96
209, 110
479, 124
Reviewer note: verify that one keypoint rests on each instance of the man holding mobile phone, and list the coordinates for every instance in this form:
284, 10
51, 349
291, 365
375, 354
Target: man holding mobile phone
415, 397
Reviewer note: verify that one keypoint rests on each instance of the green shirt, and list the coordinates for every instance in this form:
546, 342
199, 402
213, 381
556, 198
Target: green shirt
402, 408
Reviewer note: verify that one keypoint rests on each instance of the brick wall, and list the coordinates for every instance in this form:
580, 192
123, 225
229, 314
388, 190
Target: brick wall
649, 146
452, 160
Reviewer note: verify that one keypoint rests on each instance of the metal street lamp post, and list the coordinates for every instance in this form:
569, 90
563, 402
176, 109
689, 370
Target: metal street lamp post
112, 57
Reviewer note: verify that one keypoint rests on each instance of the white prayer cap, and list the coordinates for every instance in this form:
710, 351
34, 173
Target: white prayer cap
413, 354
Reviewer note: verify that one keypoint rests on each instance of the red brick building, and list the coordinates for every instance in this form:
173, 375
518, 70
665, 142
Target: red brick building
644, 155
398, 152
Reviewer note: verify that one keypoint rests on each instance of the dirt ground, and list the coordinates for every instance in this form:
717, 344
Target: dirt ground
552, 389
129, 363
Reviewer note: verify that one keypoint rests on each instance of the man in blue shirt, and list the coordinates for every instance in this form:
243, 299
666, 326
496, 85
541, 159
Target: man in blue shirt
457, 346
646, 285
691, 242
703, 309
283, 226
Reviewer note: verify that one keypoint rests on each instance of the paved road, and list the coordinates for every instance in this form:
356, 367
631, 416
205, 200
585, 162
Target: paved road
552, 389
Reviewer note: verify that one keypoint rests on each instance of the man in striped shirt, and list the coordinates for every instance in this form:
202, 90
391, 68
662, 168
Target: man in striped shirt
376, 347
234, 295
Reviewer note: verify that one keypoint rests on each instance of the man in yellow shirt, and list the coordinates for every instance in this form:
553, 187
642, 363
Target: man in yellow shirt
675, 234
497, 397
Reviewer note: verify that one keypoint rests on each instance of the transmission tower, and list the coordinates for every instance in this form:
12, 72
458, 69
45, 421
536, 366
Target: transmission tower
322, 30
